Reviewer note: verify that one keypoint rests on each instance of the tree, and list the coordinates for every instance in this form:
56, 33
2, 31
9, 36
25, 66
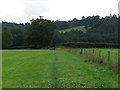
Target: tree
17, 31
40, 33
6, 38
18, 37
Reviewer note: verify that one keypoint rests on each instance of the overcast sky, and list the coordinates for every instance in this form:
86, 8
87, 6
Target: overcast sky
21, 11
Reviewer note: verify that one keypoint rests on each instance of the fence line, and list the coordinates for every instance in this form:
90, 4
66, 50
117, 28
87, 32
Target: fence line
85, 51
98, 56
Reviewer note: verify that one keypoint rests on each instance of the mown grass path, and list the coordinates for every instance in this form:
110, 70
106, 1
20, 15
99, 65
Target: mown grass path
53, 69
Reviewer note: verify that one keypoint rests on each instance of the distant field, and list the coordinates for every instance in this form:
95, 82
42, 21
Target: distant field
53, 69
69, 29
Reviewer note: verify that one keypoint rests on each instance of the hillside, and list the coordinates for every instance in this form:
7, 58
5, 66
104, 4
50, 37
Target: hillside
73, 28
102, 30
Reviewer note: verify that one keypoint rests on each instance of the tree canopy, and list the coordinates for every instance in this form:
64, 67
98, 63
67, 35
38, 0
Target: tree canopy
40, 33
6, 38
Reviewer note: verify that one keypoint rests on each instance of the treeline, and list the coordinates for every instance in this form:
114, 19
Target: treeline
14, 32
104, 30
87, 22
98, 30
90, 45
36, 34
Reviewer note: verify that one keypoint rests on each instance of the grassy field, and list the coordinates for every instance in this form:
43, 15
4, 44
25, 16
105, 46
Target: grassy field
69, 29
104, 52
100, 54
53, 69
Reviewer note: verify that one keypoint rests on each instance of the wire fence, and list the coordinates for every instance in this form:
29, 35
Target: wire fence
107, 57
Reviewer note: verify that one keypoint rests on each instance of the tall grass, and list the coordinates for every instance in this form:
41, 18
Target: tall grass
103, 56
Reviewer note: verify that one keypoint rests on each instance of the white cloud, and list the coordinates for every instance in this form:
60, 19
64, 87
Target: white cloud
24, 10
11, 10
119, 8
35, 7
69, 9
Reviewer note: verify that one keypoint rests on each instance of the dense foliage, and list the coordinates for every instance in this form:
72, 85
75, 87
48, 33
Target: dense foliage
40, 33
88, 22
7, 38
98, 30
90, 45
17, 31
104, 30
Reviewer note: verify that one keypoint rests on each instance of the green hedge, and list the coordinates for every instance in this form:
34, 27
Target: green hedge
23, 47
74, 45
90, 45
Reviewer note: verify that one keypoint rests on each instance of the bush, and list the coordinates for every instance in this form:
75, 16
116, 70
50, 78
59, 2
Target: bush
90, 45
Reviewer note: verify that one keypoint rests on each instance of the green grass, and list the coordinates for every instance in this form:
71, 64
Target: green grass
70, 29
53, 69
104, 52
111, 61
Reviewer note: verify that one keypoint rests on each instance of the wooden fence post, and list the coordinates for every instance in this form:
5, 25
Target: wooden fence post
93, 51
99, 53
108, 56
84, 51
81, 51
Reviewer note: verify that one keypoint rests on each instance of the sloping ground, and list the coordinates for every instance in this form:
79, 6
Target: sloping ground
53, 69
73, 28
